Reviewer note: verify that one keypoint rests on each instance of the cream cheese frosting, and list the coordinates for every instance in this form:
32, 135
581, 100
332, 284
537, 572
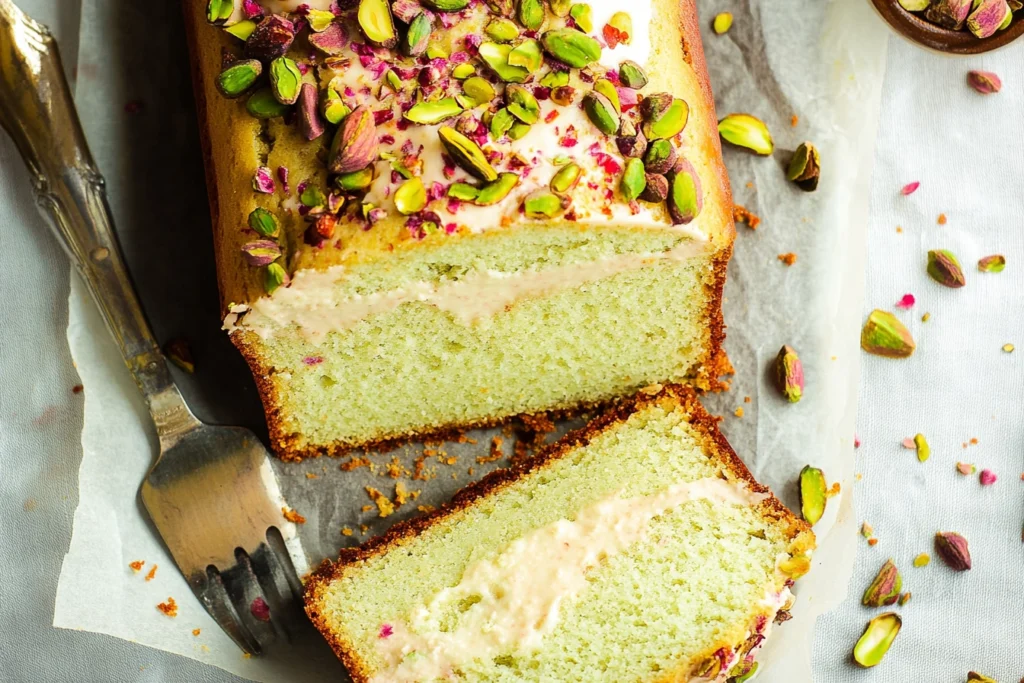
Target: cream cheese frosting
518, 594
311, 301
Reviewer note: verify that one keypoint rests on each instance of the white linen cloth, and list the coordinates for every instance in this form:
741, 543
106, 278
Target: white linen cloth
931, 130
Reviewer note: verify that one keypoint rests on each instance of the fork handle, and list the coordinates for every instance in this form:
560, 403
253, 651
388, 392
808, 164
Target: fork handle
37, 110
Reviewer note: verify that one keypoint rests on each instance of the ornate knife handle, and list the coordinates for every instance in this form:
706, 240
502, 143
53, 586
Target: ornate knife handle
37, 110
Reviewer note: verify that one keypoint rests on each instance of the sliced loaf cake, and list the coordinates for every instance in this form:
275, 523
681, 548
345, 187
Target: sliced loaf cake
636, 549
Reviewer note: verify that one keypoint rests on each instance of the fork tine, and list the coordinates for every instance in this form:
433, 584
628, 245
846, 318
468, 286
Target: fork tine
272, 575
244, 590
213, 595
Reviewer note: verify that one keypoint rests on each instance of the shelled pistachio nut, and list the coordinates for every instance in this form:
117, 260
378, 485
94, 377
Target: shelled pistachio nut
601, 112
749, 132
236, 79
944, 268
655, 188
285, 80
668, 122
527, 54
356, 181
478, 89
417, 36
272, 38
376, 23
685, 197
495, 56
877, 639
789, 374
264, 105
446, 5
310, 124
884, 335
261, 252
264, 222
501, 123
805, 167
433, 112
463, 191
566, 178
634, 180
571, 47
495, 191
813, 494
275, 276
354, 146
467, 154
583, 16
502, 30
333, 107
411, 196
607, 88
544, 204
530, 13
660, 157
632, 75
521, 103
885, 588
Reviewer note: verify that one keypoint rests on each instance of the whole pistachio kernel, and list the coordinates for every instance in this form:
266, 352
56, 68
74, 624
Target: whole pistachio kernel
975, 677
813, 494
924, 451
560, 8
555, 79
417, 36
502, 30
744, 130
952, 548
522, 104
355, 181
411, 197
632, 75
583, 16
633, 180
562, 95
789, 374
622, 25
463, 71
544, 204
238, 77
570, 46
274, 276
884, 335
743, 672
601, 112
264, 105
433, 112
685, 197
285, 80
264, 222
669, 122
495, 56
944, 268
877, 639
479, 89
656, 188
310, 124
376, 23
272, 38
527, 55
467, 154
530, 13
495, 191
992, 264
261, 252
355, 142
566, 178
885, 588
989, 16
312, 197
660, 157
805, 167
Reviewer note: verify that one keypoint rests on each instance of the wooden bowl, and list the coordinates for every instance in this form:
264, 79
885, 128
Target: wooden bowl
917, 30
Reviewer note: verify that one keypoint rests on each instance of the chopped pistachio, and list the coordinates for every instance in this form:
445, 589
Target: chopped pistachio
531, 13
555, 79
877, 638
285, 80
522, 104
333, 108
544, 204
667, 123
467, 154
518, 130
356, 180
501, 122
264, 105
463, 71
433, 112
582, 15
274, 276
238, 77
570, 46
219, 11
495, 191
992, 264
884, 335
264, 222
479, 89
922, 560
312, 197
623, 25
446, 5
944, 268
607, 88
805, 167
242, 30
601, 112
502, 30
495, 56
319, 19
463, 191
527, 55
722, 22
374, 18
632, 75
261, 252
744, 130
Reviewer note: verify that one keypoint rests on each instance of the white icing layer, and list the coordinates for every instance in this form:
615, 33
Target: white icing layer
639, 47
516, 597
311, 300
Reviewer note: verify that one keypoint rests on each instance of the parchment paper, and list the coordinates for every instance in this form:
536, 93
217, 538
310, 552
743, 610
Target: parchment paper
821, 62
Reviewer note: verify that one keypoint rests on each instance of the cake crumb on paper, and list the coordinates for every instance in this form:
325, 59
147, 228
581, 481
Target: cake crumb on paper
346, 531
431, 508
170, 608
384, 505
942, 219
738, 412
196, 632
311, 475
136, 566
495, 454
152, 573
293, 516
788, 258
741, 215
355, 463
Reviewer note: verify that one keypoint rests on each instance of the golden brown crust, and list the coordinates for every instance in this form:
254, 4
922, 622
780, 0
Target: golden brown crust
669, 396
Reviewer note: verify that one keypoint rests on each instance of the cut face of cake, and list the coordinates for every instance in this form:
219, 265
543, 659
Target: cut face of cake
529, 214
638, 549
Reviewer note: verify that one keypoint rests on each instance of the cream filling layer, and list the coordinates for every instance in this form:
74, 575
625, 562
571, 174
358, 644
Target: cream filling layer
311, 301
515, 598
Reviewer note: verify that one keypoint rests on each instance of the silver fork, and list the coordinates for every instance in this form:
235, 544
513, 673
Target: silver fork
212, 493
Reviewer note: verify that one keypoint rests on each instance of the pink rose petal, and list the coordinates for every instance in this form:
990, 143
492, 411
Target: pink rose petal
987, 477
856, 441
909, 444
910, 188
386, 630
260, 609
907, 301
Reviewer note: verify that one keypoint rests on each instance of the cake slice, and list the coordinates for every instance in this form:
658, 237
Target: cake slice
636, 549
419, 243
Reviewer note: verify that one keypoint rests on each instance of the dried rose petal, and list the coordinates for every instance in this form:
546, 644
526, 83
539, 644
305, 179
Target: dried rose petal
909, 444
260, 609
910, 188
987, 477
386, 630
907, 301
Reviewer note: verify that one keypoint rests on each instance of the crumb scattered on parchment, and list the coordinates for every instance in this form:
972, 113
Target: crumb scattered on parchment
794, 121
496, 453
750, 185
465, 439
788, 258
346, 531
196, 632
420, 470
310, 475
942, 219
367, 508
396, 469
170, 608
872, 541
355, 463
384, 505
363, 529
741, 215
77, 389
152, 573
293, 516
404, 495
451, 460
746, 399
425, 508
899, 228
738, 412
136, 566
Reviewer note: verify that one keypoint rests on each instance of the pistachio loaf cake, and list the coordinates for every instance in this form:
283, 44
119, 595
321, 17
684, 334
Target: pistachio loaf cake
433, 214
636, 549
